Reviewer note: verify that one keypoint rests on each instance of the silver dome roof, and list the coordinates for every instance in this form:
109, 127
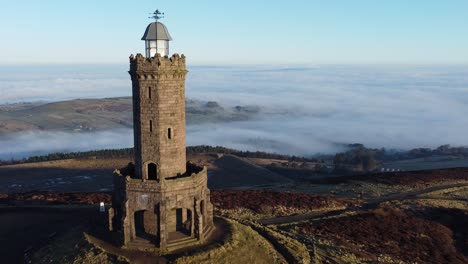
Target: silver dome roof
156, 31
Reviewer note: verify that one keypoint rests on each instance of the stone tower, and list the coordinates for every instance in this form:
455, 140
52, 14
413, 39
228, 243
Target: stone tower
162, 201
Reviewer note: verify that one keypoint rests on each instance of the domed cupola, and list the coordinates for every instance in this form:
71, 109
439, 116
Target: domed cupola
156, 37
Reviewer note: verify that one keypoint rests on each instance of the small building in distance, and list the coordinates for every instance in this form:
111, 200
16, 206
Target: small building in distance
161, 201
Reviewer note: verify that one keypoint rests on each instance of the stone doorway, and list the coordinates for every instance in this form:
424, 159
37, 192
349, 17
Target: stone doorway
182, 224
179, 220
146, 225
184, 221
140, 224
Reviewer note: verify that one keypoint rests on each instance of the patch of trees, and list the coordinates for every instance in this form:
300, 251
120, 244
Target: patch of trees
103, 153
443, 150
358, 158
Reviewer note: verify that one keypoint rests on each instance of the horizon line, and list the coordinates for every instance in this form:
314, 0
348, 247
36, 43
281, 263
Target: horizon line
252, 64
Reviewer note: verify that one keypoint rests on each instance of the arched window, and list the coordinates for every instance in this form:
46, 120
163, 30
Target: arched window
152, 171
149, 92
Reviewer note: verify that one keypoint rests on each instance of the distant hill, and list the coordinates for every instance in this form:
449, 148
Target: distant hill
82, 115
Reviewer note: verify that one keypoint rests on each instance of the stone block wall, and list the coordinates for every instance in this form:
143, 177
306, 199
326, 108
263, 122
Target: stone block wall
158, 87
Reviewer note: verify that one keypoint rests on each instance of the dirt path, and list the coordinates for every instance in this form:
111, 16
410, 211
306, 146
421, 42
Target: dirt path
297, 218
370, 204
413, 194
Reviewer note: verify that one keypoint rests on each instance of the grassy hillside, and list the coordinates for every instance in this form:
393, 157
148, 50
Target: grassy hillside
83, 115
234, 172
75, 115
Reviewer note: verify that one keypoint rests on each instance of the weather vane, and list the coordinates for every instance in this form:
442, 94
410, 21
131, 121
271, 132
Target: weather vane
157, 15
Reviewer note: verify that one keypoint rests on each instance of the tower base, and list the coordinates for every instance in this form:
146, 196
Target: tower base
168, 214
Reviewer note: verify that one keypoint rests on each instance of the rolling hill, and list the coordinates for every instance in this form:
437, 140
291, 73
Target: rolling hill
82, 115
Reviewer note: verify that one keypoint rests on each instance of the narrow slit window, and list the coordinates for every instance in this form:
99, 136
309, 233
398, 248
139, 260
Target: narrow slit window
149, 92
152, 171
169, 133
151, 125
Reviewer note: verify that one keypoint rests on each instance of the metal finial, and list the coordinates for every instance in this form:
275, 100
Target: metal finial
157, 15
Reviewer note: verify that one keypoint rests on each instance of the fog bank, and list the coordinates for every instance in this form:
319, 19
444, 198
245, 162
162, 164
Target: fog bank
304, 110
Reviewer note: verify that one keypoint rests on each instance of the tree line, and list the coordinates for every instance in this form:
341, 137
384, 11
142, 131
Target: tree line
358, 156
128, 153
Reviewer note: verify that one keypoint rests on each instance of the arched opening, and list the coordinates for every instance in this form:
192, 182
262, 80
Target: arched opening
180, 223
140, 230
152, 171
146, 225
179, 219
188, 223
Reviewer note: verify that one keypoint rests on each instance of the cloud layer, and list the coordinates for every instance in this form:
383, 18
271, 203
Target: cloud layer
305, 110
40, 143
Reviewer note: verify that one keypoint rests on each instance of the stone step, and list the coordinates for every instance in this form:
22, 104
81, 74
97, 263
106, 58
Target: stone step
141, 244
180, 243
141, 240
140, 247
208, 230
187, 238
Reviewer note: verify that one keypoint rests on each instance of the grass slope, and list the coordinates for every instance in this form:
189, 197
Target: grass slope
234, 172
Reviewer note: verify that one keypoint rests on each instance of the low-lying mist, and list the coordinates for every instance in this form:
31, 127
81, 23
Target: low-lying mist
17, 146
303, 110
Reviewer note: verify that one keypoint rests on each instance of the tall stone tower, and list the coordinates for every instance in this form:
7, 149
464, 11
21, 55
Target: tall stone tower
161, 201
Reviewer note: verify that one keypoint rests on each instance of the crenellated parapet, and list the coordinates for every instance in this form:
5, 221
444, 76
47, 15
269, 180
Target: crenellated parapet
151, 68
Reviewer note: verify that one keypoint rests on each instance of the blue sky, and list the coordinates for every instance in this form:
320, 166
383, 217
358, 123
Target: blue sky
239, 32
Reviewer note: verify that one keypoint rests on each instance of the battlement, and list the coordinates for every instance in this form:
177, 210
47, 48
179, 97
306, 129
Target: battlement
140, 63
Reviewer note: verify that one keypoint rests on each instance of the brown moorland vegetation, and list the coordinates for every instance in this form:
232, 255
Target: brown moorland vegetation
256, 201
408, 177
392, 232
261, 201
57, 198
455, 219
